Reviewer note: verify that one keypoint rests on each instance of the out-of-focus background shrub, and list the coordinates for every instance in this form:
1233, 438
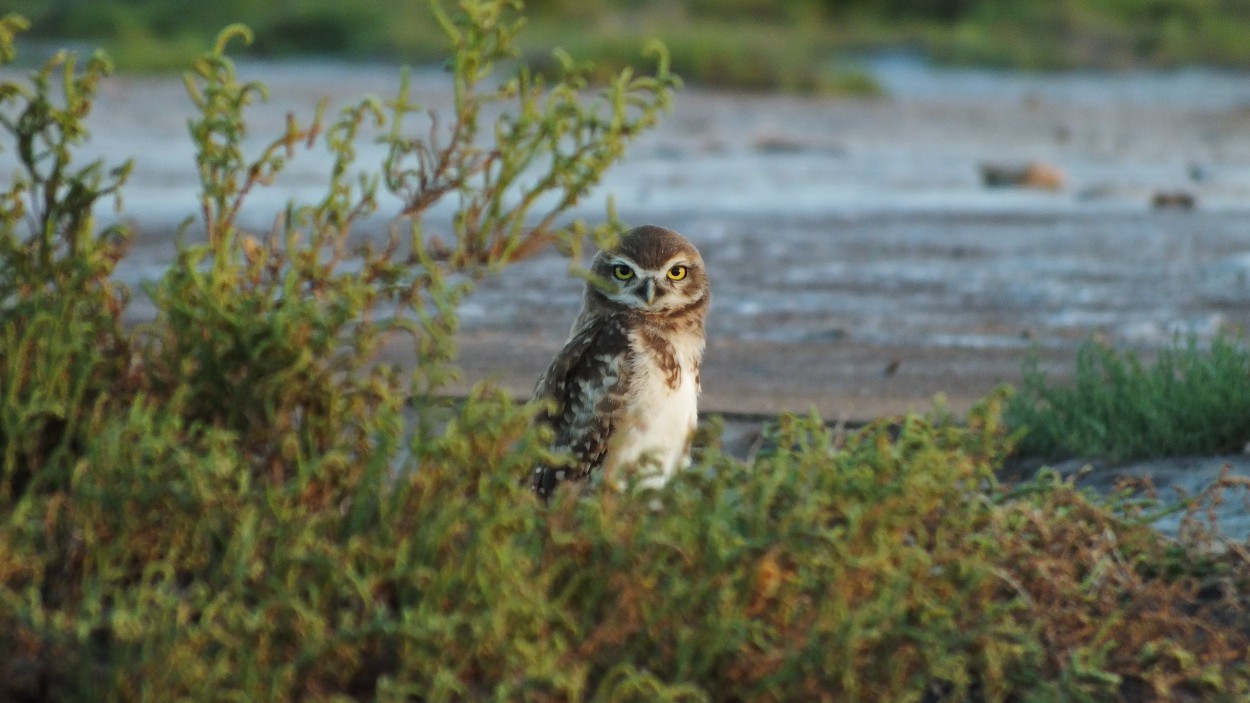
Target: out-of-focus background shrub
794, 45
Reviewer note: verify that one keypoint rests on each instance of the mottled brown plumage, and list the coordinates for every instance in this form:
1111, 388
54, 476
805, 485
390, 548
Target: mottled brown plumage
622, 393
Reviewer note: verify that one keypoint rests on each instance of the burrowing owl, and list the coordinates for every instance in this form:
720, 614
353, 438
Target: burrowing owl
624, 389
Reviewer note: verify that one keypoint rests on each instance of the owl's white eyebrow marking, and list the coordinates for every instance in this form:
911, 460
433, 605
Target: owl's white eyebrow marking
678, 260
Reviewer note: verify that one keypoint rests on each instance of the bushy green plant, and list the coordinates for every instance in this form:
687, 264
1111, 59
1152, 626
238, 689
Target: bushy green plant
1189, 400
235, 502
62, 335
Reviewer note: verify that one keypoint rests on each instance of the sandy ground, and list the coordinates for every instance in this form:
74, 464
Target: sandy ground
860, 264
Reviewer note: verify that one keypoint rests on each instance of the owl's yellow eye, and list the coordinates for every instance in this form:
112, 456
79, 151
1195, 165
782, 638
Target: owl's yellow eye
622, 272
677, 273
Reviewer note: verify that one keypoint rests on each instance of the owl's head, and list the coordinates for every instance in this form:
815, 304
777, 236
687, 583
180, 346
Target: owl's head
652, 270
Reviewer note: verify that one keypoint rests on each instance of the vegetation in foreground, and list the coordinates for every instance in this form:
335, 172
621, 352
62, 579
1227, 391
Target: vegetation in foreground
795, 45
235, 503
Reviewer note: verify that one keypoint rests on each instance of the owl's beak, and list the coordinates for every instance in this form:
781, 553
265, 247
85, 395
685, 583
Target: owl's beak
648, 290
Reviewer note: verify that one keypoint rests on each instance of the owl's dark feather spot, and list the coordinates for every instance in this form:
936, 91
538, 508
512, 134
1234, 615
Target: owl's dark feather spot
585, 382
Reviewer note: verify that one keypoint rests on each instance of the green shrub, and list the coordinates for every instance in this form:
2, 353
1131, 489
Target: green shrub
235, 502
1190, 400
63, 342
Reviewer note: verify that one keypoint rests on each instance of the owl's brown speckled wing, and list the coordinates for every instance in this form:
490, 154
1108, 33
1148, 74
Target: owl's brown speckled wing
586, 382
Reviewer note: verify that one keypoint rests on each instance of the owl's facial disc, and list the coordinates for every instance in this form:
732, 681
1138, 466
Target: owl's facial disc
650, 290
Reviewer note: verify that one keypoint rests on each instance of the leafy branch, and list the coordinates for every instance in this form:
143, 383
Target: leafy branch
552, 147
47, 228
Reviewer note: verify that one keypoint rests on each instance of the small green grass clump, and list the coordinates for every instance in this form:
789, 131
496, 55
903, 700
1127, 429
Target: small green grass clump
1189, 401
234, 502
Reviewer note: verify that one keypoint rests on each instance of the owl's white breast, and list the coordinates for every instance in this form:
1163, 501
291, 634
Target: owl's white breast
660, 419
